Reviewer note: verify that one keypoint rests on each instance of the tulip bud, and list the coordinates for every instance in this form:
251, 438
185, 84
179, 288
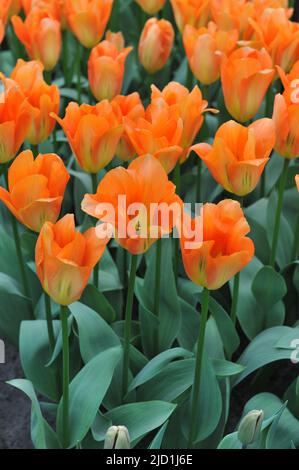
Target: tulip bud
117, 437
155, 44
151, 7
250, 427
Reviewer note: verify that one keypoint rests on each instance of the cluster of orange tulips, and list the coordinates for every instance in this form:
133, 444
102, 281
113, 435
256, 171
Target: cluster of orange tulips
237, 47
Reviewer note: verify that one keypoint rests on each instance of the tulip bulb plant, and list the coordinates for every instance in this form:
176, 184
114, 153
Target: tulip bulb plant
149, 222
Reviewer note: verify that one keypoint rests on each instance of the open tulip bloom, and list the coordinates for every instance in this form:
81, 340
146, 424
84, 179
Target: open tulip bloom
149, 225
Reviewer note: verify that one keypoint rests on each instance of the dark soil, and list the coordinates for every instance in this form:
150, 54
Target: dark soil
14, 405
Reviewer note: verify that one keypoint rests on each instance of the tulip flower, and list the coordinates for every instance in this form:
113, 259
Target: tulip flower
4, 14
155, 44
36, 189
131, 107
106, 66
246, 76
93, 133
14, 7
88, 19
190, 106
250, 427
280, 36
224, 249
205, 48
42, 98
158, 134
144, 182
65, 258
239, 154
41, 36
297, 181
15, 117
54, 7
232, 14
194, 12
151, 7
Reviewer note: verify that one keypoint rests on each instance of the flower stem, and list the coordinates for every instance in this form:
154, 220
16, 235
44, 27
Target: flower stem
35, 150
128, 324
282, 183
66, 375
20, 257
198, 180
234, 306
195, 398
296, 240
65, 58
49, 322
177, 182
157, 285
79, 54
96, 268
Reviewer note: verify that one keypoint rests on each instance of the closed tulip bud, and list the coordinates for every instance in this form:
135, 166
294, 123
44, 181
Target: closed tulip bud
106, 66
250, 427
65, 259
222, 250
246, 76
15, 118
130, 107
194, 12
151, 7
42, 98
93, 133
40, 33
239, 154
35, 189
205, 48
88, 19
155, 44
117, 437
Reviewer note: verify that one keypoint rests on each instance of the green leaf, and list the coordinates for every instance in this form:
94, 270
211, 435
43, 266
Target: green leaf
224, 368
97, 301
100, 426
230, 441
95, 335
268, 287
42, 434
157, 441
141, 418
157, 364
35, 354
263, 350
108, 274
87, 391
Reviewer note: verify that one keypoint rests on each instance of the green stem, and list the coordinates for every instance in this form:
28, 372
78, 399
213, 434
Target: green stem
79, 54
296, 240
157, 285
189, 79
282, 183
65, 52
263, 184
198, 180
48, 77
35, 150
195, 398
128, 324
235, 295
66, 375
20, 257
177, 182
94, 182
49, 322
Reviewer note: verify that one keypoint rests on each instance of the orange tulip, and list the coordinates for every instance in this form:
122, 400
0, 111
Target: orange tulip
15, 7
205, 48
194, 12
151, 7
279, 35
88, 19
232, 14
239, 154
93, 133
54, 7
297, 181
106, 66
155, 44
36, 188
158, 134
42, 98
246, 75
224, 249
131, 107
190, 106
65, 258
41, 36
143, 183
15, 117
286, 118
4, 12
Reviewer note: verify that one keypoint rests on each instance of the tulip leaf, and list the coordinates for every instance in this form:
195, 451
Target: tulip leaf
230, 441
35, 354
95, 335
87, 391
268, 287
224, 368
141, 418
284, 247
157, 441
97, 301
42, 434
263, 350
